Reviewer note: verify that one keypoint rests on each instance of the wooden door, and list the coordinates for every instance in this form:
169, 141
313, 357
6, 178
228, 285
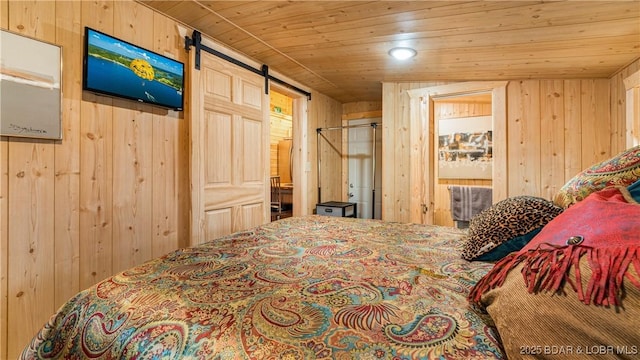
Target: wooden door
230, 132
360, 171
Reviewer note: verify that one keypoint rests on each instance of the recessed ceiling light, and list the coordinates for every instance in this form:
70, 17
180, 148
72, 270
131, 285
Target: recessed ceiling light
402, 53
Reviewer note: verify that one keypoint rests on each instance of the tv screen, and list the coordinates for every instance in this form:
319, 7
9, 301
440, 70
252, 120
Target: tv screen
118, 68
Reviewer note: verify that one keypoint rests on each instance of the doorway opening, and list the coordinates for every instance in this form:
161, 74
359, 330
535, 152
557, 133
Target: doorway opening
281, 155
463, 154
423, 126
365, 188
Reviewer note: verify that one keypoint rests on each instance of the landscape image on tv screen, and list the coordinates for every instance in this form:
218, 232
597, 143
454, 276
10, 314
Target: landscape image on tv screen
118, 68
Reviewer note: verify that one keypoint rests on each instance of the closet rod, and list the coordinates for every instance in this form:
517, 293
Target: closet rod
347, 127
196, 40
373, 126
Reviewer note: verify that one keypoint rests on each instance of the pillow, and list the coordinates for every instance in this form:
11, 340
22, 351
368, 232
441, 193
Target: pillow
622, 170
509, 246
634, 191
550, 326
506, 226
574, 290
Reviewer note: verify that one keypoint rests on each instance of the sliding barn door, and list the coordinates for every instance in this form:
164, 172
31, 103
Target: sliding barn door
230, 131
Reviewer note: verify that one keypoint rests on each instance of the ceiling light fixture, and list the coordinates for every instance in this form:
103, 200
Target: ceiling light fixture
402, 53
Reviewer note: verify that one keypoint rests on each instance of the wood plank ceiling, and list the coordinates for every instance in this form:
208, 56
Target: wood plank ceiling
340, 48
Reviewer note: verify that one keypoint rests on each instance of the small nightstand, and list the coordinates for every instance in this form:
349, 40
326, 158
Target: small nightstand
336, 208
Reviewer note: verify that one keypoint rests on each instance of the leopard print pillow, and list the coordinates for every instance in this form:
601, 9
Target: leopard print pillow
507, 220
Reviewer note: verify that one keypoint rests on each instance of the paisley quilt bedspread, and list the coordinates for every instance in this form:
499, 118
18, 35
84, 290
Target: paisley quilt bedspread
314, 287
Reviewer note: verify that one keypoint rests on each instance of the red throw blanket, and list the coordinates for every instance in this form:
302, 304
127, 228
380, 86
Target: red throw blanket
604, 227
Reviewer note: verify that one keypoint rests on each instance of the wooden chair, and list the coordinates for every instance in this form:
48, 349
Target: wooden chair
276, 198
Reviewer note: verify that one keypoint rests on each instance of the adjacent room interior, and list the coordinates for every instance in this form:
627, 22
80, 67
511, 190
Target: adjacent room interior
281, 155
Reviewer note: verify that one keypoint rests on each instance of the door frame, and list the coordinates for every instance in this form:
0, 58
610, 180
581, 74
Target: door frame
300, 153
421, 112
632, 122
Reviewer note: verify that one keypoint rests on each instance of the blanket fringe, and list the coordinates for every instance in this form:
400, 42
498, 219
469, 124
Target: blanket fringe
547, 268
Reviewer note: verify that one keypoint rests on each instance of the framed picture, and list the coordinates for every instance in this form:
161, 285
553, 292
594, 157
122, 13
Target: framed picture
465, 148
30, 90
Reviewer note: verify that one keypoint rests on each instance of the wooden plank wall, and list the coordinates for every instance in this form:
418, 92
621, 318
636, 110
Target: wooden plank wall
281, 108
324, 112
618, 106
360, 109
555, 129
280, 103
396, 150
281, 128
110, 195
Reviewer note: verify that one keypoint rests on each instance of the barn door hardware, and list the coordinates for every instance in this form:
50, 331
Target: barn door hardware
196, 41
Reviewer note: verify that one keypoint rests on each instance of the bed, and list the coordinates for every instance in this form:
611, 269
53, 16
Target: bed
313, 287
563, 282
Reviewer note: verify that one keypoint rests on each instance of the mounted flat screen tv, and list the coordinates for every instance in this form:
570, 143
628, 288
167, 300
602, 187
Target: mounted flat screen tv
117, 68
